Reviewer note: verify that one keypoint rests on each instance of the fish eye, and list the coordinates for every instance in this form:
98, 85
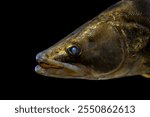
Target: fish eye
74, 50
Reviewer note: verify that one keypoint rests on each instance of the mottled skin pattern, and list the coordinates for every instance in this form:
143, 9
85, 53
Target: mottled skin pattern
114, 44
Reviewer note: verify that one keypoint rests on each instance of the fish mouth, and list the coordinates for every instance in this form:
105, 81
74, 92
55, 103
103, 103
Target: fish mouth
53, 68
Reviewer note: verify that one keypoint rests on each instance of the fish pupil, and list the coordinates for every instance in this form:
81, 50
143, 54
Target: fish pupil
74, 50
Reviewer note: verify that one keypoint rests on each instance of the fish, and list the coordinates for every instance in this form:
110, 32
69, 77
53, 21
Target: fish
114, 44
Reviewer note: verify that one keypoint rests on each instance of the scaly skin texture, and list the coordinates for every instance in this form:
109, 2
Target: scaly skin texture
114, 44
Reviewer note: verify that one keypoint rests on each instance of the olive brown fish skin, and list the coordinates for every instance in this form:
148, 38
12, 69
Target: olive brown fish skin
114, 44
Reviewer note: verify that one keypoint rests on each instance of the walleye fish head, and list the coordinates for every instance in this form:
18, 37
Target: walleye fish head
90, 52
109, 46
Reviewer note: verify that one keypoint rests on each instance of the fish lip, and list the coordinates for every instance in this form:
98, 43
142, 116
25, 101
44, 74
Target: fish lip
61, 73
49, 63
38, 69
53, 64
45, 72
48, 66
53, 68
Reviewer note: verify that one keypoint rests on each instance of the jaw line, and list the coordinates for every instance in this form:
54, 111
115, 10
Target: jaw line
67, 69
52, 72
62, 65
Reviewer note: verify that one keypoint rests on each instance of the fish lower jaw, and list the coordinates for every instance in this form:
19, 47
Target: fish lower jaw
68, 71
38, 69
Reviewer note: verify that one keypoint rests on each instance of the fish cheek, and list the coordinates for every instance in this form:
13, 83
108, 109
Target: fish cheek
111, 56
106, 55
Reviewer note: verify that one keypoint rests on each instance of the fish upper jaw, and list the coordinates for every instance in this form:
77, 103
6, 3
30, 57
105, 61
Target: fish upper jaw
46, 63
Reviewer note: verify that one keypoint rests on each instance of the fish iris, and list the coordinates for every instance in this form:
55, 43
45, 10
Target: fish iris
74, 50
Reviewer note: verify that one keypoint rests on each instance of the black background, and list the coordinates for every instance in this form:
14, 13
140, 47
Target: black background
42, 25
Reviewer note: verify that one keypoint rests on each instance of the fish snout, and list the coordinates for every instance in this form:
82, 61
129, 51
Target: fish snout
40, 57
47, 63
